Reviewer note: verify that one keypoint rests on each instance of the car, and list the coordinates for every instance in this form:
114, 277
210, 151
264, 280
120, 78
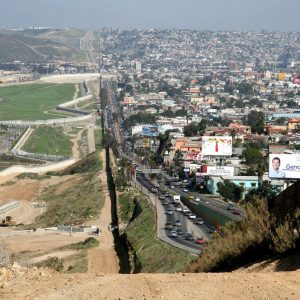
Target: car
212, 229
185, 190
236, 212
200, 241
230, 206
185, 209
168, 195
165, 202
153, 190
187, 213
191, 197
188, 236
172, 186
168, 226
192, 216
173, 234
199, 221
169, 211
179, 231
177, 223
178, 208
197, 199
161, 197
207, 202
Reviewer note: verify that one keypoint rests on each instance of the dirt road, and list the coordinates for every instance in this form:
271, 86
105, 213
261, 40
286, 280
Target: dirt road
103, 259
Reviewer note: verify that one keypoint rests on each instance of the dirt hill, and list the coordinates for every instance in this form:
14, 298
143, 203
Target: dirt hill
22, 283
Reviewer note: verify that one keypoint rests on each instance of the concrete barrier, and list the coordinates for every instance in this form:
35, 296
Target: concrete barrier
4, 208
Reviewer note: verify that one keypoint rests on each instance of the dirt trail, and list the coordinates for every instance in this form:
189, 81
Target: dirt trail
91, 140
103, 259
75, 141
59, 254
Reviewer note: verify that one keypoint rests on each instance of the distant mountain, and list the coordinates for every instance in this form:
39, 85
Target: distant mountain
41, 45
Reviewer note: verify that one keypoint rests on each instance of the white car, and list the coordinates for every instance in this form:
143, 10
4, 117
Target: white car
197, 199
185, 190
199, 221
179, 208
192, 216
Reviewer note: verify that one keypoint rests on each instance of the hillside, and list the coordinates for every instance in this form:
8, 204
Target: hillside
22, 283
40, 45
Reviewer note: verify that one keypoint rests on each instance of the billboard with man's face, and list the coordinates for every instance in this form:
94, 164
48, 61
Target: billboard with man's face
217, 145
282, 166
150, 130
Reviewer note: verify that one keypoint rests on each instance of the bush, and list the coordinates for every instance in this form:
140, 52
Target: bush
52, 262
4, 256
90, 242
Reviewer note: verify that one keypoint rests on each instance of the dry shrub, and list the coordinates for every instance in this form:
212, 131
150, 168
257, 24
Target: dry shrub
234, 238
286, 234
5, 259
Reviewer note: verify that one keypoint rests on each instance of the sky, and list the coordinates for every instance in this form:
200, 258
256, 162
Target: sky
242, 15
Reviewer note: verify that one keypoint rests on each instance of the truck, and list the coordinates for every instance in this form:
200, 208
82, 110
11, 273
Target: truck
176, 198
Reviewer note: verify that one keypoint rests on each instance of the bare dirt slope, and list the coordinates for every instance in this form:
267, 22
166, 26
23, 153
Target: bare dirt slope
103, 258
20, 283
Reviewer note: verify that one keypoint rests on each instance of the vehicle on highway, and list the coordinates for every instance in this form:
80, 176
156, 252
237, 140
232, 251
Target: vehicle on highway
188, 236
185, 190
212, 229
153, 190
236, 212
230, 206
179, 231
199, 221
191, 197
197, 199
192, 216
176, 198
173, 234
207, 202
172, 186
200, 241
168, 195
169, 211
168, 226
177, 223
178, 208
185, 209
161, 197
165, 202
187, 213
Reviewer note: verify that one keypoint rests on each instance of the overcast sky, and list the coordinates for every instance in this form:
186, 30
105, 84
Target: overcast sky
280, 15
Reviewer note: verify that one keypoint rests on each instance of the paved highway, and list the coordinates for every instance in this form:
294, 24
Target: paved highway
187, 225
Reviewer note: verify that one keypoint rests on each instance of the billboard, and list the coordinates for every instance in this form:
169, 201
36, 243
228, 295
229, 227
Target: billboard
220, 171
150, 130
217, 145
283, 166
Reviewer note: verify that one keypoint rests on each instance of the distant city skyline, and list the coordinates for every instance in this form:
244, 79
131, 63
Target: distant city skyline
240, 15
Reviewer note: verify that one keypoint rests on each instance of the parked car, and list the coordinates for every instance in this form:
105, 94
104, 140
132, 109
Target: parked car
200, 241
199, 221
212, 229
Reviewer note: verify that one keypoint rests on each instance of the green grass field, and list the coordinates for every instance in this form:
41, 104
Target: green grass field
29, 102
49, 140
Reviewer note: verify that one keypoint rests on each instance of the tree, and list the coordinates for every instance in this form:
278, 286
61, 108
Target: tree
265, 190
190, 130
202, 126
230, 191
168, 113
181, 113
253, 156
255, 119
